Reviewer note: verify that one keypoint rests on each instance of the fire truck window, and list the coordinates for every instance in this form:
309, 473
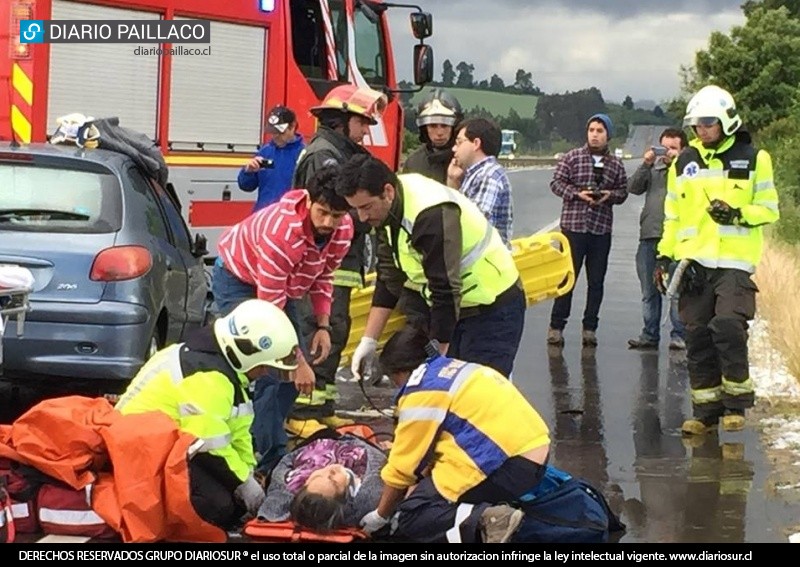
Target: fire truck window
370, 55
308, 38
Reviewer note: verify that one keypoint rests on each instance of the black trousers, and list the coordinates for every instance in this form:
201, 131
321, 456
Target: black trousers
593, 250
426, 516
322, 403
716, 314
211, 499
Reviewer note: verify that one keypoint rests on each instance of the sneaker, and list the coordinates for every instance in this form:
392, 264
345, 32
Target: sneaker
699, 426
733, 420
642, 344
498, 523
555, 337
677, 344
589, 338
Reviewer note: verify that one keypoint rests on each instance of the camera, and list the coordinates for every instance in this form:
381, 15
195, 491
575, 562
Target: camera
267, 163
659, 150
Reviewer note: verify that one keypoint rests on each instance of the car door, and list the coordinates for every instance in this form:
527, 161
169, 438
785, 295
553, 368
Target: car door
196, 290
172, 284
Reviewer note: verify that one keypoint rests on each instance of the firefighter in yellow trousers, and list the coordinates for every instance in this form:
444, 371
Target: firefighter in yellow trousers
719, 196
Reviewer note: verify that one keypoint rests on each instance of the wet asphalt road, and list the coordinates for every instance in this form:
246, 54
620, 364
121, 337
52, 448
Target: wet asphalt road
615, 414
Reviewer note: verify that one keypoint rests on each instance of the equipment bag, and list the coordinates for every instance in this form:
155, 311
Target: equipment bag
290, 532
18, 493
66, 511
566, 510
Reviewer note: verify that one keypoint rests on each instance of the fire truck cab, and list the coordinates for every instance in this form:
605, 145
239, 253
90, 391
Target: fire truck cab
205, 104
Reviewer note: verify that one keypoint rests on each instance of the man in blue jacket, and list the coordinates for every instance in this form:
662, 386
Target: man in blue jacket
272, 167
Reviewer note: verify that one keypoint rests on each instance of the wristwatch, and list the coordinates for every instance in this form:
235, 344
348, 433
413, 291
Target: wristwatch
324, 328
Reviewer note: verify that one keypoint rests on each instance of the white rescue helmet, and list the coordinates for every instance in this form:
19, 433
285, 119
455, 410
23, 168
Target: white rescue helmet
439, 107
257, 333
713, 102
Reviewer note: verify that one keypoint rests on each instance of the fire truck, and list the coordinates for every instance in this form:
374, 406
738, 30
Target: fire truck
204, 104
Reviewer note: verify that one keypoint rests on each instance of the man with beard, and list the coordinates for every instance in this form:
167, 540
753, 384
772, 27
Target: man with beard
282, 253
345, 117
438, 116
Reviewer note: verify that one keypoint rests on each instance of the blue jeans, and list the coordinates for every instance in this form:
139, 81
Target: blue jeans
651, 298
273, 396
492, 337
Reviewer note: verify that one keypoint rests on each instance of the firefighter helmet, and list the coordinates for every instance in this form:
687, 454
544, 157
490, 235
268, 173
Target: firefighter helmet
257, 333
439, 107
713, 102
352, 99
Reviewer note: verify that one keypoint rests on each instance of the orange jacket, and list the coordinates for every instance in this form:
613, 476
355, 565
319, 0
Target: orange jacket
145, 495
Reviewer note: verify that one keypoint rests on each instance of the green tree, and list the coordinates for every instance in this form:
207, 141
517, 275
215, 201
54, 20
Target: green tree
658, 112
627, 104
465, 78
523, 81
759, 63
448, 75
792, 5
496, 84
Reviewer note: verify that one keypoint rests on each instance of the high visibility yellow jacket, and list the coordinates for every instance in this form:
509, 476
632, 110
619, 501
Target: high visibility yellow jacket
462, 420
487, 268
734, 172
201, 393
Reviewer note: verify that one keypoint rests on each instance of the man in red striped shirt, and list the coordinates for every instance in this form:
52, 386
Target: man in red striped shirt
281, 253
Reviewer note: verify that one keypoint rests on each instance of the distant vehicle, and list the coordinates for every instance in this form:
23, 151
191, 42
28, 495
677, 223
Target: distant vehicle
508, 144
116, 273
618, 153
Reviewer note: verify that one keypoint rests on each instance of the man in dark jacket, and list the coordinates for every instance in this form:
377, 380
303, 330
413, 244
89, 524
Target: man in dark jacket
271, 169
345, 117
438, 115
650, 180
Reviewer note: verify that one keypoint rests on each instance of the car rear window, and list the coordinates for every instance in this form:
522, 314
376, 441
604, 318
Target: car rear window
44, 198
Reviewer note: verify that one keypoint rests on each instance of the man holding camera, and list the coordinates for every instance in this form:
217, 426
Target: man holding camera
590, 180
650, 180
719, 195
271, 169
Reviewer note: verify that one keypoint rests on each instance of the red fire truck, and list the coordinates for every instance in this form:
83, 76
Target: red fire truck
205, 110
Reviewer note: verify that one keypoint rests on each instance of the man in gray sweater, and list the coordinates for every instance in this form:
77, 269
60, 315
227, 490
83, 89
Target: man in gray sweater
650, 180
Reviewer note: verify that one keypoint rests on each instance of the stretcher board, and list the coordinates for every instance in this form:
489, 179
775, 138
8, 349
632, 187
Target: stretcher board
544, 262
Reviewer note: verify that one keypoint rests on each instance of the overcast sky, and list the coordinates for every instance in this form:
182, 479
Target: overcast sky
622, 47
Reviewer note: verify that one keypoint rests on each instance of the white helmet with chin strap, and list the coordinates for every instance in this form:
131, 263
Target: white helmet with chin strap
257, 333
713, 102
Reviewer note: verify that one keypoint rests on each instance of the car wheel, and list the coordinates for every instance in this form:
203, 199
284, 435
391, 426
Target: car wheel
153, 345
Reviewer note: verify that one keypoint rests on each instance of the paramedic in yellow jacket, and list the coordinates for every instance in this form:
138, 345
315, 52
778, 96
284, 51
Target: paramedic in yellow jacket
466, 437
719, 195
203, 385
437, 240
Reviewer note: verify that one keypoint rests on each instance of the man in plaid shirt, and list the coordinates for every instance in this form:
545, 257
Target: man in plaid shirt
484, 181
590, 180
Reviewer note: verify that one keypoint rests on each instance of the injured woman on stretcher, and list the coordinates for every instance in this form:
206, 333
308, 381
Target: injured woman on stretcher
328, 482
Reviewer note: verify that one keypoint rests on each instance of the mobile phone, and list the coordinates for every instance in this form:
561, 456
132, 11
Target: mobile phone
267, 163
659, 150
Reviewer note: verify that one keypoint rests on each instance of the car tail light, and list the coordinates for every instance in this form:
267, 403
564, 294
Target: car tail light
121, 263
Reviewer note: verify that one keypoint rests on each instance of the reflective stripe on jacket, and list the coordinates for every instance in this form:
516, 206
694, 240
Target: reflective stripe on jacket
487, 267
203, 403
463, 420
736, 173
